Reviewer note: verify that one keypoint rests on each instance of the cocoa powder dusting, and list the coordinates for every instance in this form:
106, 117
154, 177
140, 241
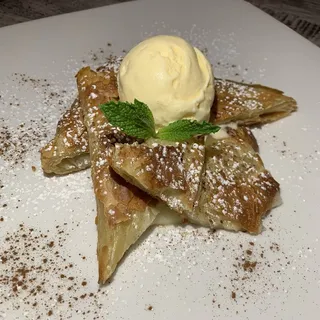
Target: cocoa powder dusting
36, 274
16, 141
249, 266
251, 273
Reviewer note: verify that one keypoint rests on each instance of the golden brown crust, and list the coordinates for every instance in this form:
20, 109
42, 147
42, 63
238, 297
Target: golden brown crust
249, 104
96, 88
68, 151
124, 212
170, 173
244, 134
237, 191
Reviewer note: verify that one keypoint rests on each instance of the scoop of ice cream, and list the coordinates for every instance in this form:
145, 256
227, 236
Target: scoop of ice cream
174, 79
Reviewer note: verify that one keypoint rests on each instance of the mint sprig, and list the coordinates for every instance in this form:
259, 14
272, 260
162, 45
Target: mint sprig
185, 129
136, 119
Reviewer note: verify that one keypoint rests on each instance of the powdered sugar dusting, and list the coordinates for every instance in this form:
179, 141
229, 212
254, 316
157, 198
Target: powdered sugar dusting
170, 172
243, 96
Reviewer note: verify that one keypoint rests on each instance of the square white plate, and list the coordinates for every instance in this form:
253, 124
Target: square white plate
174, 272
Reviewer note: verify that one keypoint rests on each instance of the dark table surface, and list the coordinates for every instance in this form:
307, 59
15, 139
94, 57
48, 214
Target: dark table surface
303, 16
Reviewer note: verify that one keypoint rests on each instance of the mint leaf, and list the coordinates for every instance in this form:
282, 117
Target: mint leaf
135, 119
185, 129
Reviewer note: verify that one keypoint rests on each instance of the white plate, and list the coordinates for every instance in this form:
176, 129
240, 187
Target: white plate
178, 273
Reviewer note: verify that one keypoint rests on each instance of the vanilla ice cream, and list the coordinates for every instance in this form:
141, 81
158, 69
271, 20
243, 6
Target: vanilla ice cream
174, 79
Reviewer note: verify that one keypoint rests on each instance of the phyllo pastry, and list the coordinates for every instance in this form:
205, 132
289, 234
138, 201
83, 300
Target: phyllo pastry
249, 104
123, 211
68, 151
237, 191
170, 172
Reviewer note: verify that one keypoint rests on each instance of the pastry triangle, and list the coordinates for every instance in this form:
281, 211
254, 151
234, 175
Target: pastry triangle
236, 190
235, 193
247, 104
169, 172
68, 151
123, 211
